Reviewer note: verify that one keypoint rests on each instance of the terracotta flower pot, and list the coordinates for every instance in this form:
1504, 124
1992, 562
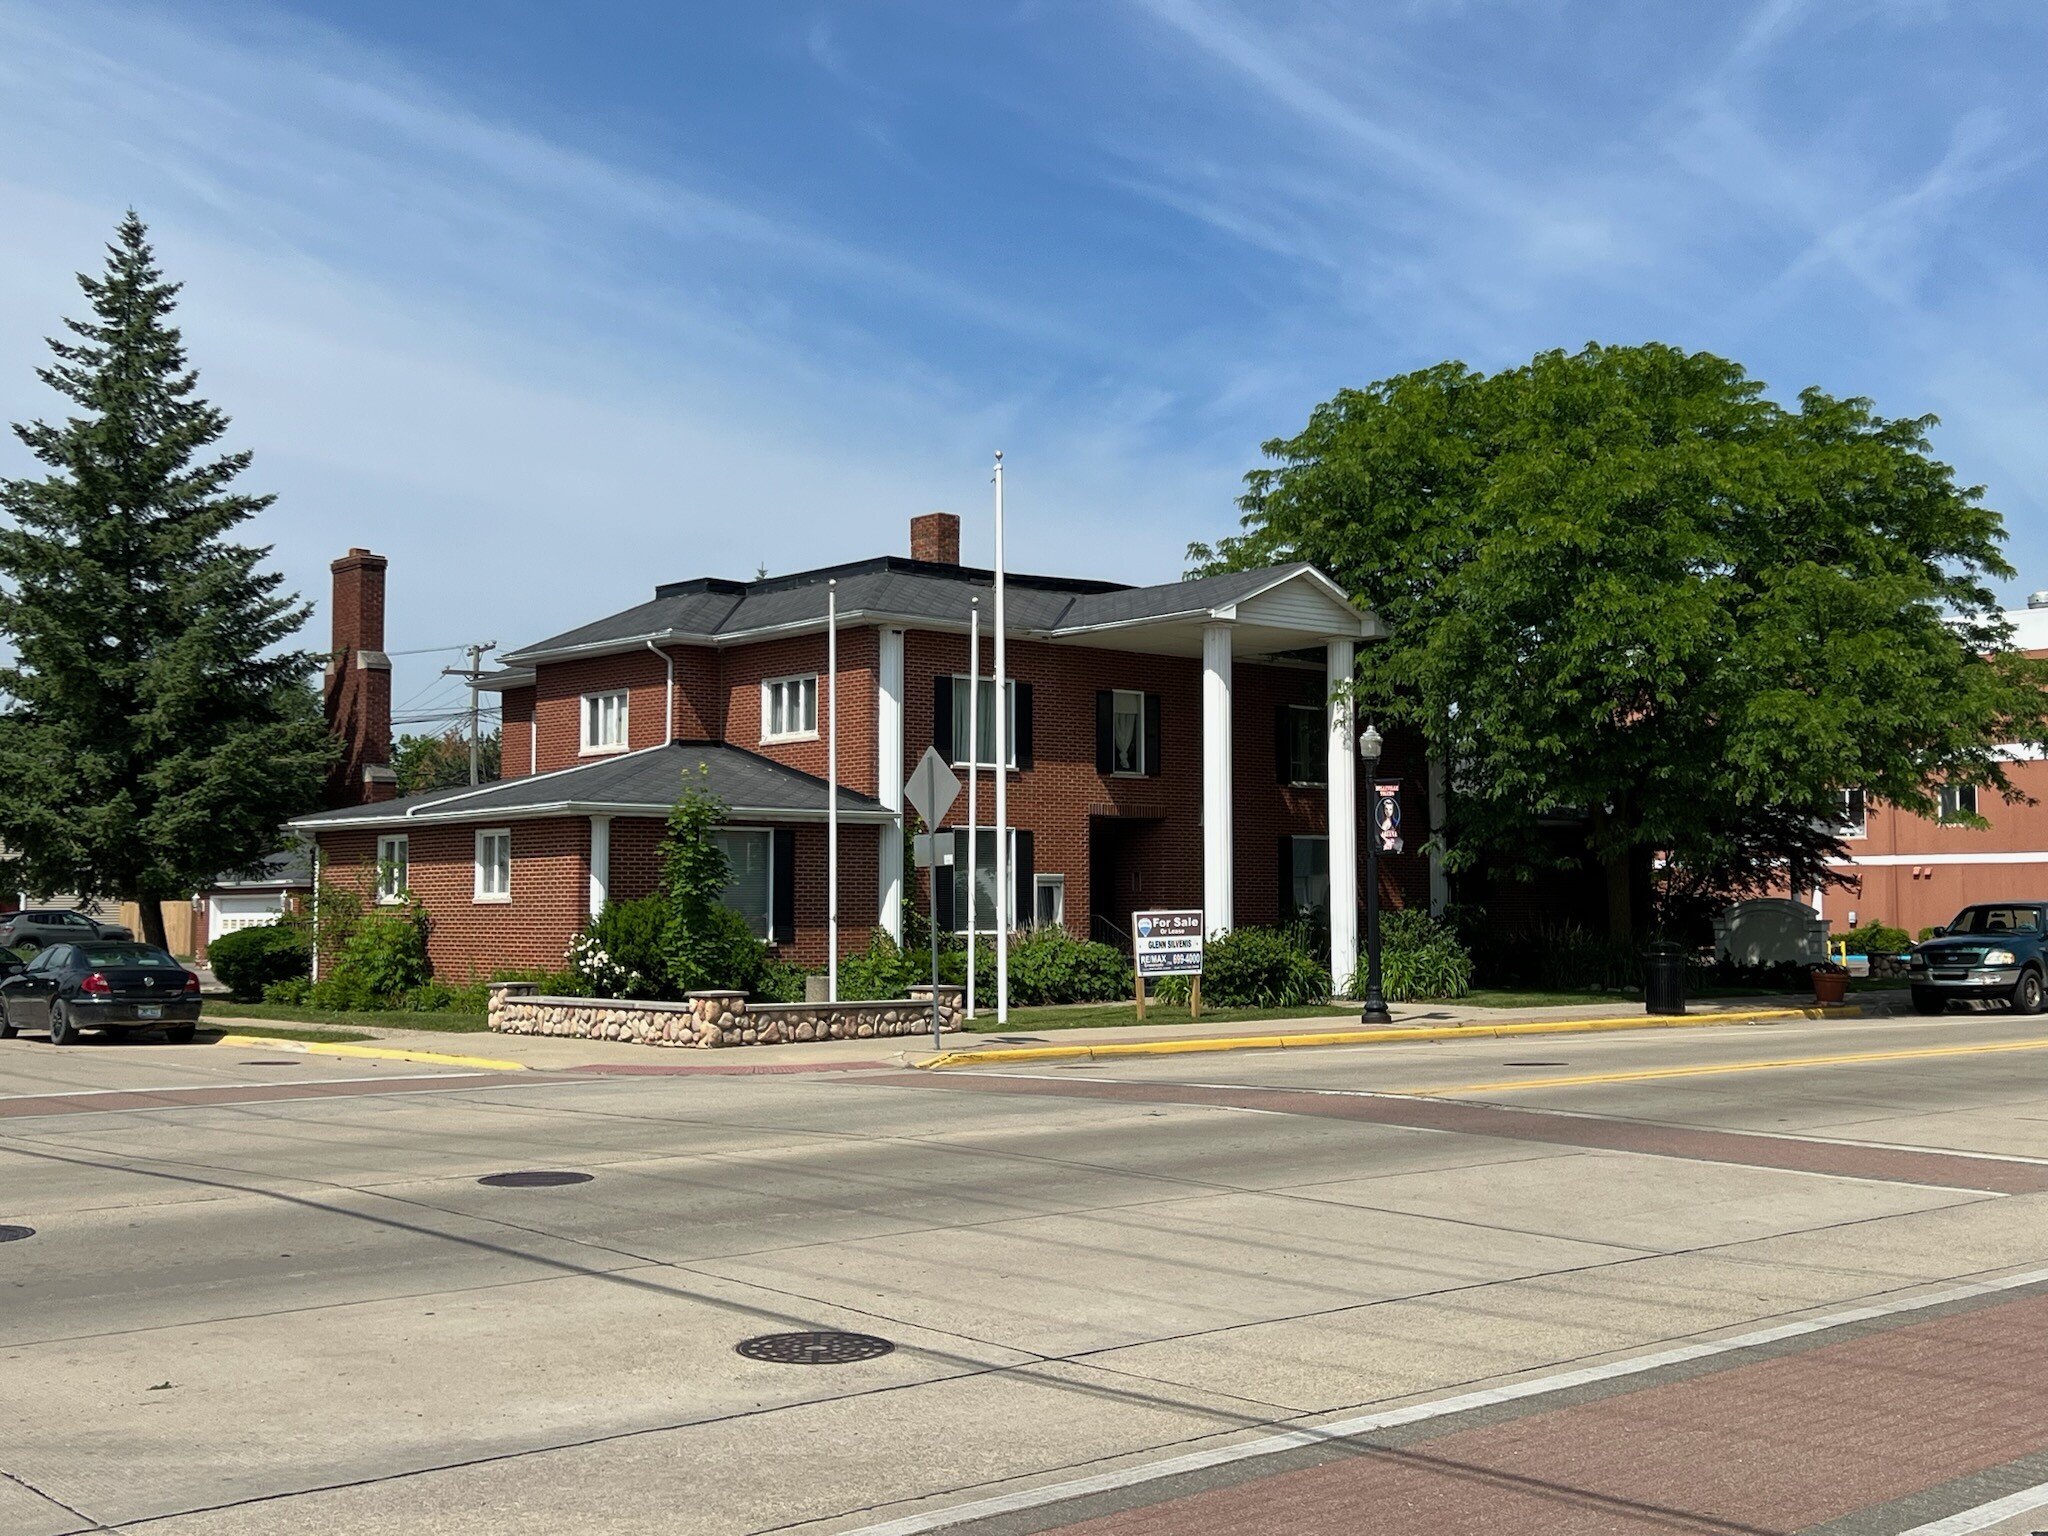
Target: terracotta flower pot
1830, 986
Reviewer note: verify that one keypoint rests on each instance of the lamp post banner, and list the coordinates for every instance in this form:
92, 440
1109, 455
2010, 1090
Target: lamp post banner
1167, 943
1386, 815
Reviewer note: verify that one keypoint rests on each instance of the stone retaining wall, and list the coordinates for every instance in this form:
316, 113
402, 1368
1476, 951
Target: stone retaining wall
711, 1019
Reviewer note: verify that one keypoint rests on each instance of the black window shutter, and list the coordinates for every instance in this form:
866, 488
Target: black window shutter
1152, 765
1024, 901
1023, 726
1286, 907
1283, 744
1105, 732
942, 881
782, 922
942, 716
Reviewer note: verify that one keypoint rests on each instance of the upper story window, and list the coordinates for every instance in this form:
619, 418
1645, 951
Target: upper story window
494, 865
604, 721
953, 711
1126, 732
392, 871
789, 708
1958, 800
1304, 750
1854, 818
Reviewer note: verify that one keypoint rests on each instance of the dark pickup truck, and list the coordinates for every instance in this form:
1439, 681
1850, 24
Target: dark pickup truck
1999, 950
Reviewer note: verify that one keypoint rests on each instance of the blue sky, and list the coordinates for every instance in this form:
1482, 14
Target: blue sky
551, 302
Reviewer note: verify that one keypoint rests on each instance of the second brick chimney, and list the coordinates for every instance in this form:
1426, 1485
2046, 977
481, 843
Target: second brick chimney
935, 537
359, 684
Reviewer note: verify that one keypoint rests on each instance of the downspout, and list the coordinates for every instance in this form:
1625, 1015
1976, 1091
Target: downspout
668, 697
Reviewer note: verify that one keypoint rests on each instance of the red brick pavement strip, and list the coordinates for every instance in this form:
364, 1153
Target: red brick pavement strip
32, 1106
1772, 1447
737, 1069
1940, 1170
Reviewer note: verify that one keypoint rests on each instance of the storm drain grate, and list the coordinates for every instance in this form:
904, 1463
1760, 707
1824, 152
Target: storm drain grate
1535, 1063
813, 1348
534, 1178
272, 1063
15, 1234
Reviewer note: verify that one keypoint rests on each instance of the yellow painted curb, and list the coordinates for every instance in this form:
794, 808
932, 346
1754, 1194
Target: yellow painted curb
375, 1052
1378, 1036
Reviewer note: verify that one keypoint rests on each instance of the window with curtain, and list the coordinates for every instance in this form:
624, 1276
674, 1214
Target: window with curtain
1127, 733
789, 708
494, 865
750, 889
1308, 875
392, 871
984, 748
604, 721
1958, 800
1307, 754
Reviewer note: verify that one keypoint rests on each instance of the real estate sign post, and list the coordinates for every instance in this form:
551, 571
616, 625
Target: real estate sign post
931, 791
1168, 944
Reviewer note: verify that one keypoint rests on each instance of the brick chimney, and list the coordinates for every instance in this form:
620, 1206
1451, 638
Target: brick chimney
359, 684
935, 537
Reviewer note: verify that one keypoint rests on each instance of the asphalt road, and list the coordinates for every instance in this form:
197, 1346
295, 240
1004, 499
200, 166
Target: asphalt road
1736, 1279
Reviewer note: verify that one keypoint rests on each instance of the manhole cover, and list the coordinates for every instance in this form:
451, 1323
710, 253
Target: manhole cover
15, 1234
1535, 1063
814, 1348
533, 1178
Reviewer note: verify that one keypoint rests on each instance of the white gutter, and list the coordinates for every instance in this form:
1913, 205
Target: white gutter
668, 698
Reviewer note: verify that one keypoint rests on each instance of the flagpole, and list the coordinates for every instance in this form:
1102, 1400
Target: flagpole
973, 782
1002, 776
832, 791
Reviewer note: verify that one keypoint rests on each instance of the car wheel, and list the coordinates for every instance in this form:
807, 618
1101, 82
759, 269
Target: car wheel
63, 1030
6, 1024
2030, 996
181, 1034
1925, 1001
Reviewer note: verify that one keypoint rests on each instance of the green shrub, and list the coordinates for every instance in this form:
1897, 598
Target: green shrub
294, 991
551, 983
249, 960
1420, 957
1256, 968
439, 997
621, 951
882, 970
705, 944
1876, 939
780, 982
1049, 965
383, 957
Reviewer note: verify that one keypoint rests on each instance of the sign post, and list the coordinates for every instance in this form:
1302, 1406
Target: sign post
931, 791
1168, 944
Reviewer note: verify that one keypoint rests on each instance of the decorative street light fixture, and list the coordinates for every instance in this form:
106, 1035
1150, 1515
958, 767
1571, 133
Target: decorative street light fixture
1370, 745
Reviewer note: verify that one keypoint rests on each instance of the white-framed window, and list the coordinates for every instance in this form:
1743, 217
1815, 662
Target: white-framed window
494, 864
1958, 800
1854, 821
604, 721
750, 889
789, 708
392, 869
984, 753
1308, 875
1049, 909
1127, 734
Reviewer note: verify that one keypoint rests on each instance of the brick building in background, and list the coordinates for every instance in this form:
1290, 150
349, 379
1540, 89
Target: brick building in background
1915, 872
357, 691
1171, 745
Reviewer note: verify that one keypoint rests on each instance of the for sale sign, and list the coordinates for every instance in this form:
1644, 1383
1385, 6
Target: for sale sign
1167, 943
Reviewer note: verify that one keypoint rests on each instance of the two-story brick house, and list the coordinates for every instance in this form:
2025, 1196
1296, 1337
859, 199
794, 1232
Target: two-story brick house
1171, 745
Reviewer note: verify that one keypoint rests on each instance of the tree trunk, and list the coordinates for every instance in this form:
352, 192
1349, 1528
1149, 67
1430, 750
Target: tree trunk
152, 922
1621, 910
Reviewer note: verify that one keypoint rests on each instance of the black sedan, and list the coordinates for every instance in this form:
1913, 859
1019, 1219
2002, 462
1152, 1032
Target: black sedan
106, 986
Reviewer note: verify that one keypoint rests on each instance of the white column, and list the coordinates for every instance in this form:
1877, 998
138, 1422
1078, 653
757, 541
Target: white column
600, 862
1219, 872
889, 776
1343, 819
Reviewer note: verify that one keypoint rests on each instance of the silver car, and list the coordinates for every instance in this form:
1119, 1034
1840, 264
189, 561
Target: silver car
39, 927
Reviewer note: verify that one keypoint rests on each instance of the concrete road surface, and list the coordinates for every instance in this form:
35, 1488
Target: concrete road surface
1732, 1279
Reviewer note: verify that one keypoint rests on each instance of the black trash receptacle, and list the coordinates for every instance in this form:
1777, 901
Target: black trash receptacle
1664, 979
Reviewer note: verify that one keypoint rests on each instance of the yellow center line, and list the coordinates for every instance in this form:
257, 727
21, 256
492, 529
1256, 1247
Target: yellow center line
1712, 1069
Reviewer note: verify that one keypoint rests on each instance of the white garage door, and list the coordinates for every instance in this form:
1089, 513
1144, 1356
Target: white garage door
227, 913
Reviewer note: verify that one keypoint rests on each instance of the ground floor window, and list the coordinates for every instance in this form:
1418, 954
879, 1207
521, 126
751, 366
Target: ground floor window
1305, 875
953, 894
391, 868
750, 889
1052, 901
494, 865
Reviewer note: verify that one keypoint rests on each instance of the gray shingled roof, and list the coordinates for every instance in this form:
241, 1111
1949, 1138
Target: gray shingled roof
634, 783
702, 612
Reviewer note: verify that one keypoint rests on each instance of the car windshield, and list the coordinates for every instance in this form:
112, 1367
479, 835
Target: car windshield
1979, 920
127, 954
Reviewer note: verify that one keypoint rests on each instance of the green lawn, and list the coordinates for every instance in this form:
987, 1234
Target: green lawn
445, 1023
323, 1036
1110, 1015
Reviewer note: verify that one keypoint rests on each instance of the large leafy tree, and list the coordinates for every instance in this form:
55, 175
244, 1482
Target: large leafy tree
154, 731
1627, 590
442, 762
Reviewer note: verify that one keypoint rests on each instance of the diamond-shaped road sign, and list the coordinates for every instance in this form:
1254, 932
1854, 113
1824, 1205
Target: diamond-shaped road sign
932, 788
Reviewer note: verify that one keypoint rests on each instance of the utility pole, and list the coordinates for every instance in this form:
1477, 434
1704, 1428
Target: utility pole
471, 674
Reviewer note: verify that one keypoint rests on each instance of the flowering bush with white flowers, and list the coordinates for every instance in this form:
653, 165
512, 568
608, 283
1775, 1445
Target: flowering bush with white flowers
618, 954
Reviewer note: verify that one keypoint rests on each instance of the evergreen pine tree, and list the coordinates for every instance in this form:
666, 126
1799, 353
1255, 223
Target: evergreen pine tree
153, 732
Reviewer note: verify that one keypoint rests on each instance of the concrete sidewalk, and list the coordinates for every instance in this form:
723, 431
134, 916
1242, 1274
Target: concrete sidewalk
549, 1053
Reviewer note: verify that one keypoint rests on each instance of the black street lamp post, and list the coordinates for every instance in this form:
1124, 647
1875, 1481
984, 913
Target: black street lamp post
1375, 1009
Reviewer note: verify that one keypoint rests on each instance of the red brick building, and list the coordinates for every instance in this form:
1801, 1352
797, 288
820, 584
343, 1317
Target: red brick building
1170, 746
